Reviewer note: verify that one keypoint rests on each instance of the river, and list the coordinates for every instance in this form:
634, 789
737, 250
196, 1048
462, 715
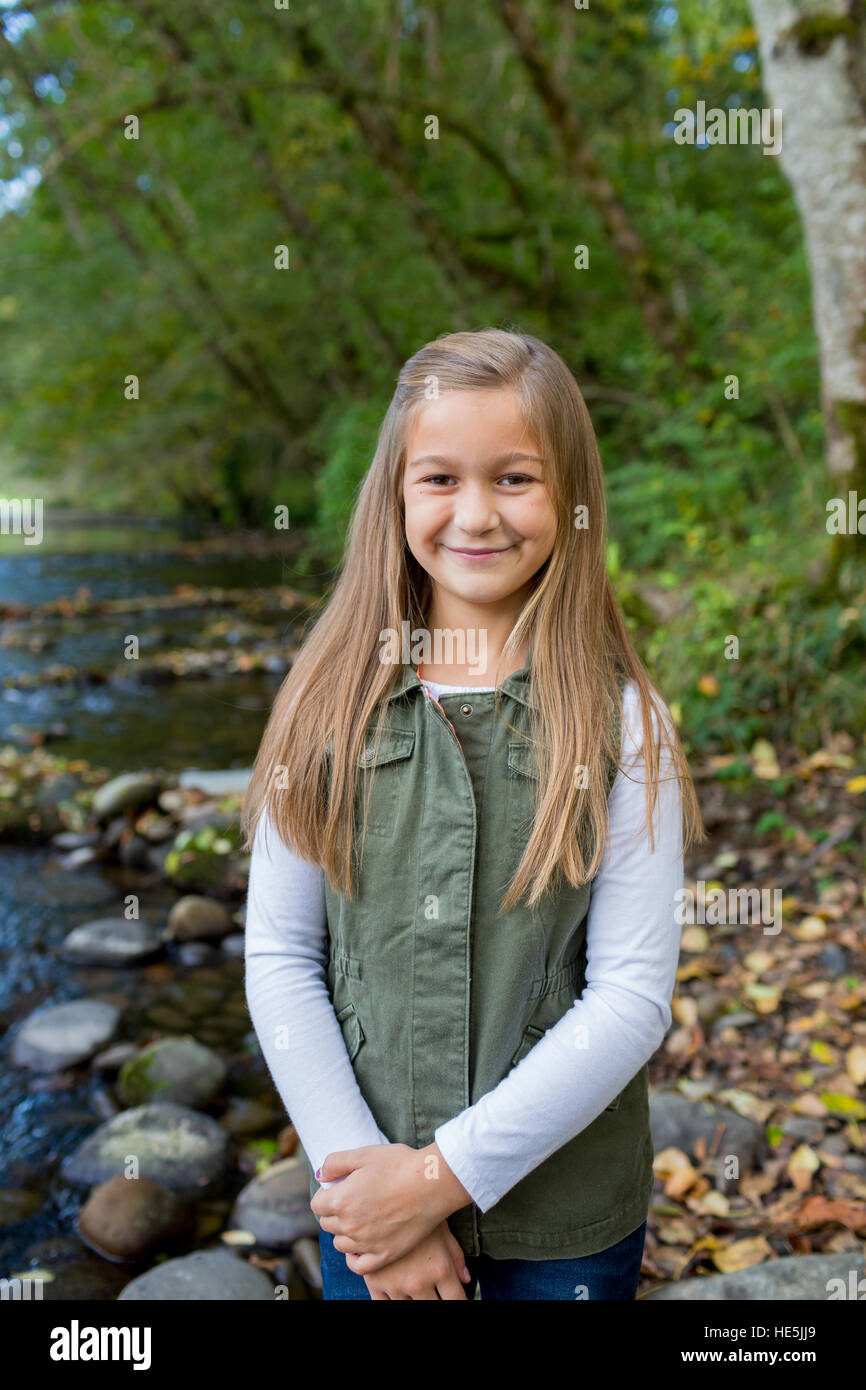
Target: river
201, 723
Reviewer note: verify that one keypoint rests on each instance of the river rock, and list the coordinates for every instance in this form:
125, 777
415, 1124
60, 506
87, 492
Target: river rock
678, 1122
173, 1069
196, 953
205, 1274
235, 945
833, 960
251, 1115
77, 859
113, 1058
75, 839
125, 1218
795, 1278
174, 1145
112, 941
133, 852
231, 782
125, 793
64, 1034
307, 1255
275, 1206
196, 918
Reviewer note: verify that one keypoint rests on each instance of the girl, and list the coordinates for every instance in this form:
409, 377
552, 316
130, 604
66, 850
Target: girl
461, 939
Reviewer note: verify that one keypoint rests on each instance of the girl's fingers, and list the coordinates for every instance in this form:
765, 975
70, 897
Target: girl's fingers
452, 1289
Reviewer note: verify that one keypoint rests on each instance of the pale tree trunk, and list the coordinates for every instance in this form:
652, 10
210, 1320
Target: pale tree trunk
813, 54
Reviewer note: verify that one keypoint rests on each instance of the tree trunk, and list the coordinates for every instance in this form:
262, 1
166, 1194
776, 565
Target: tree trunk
814, 69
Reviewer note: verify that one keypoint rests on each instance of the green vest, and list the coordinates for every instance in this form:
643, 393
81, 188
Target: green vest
439, 995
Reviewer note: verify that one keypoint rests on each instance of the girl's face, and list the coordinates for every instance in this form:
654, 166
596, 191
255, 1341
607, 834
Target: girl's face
479, 518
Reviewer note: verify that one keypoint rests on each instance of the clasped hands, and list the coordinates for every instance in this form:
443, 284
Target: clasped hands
388, 1217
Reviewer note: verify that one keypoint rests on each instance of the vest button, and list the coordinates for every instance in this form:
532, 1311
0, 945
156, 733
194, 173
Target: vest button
368, 754
465, 709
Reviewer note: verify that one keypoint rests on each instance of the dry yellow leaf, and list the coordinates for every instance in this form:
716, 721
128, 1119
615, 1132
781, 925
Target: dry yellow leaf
742, 1254
695, 939
856, 784
809, 1104
801, 1165
685, 1010
715, 1203
810, 929
764, 761
855, 1064
758, 961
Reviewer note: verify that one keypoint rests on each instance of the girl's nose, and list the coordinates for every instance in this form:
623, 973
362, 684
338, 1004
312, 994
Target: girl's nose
475, 511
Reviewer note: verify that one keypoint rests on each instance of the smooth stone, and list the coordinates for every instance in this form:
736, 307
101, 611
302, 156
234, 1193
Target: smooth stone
275, 1205
205, 1274
112, 941
195, 953
75, 839
234, 945
174, 1145
64, 1034
125, 1218
741, 1019
834, 960
197, 918
793, 1278
126, 793
677, 1122
307, 1255
251, 1115
173, 1069
78, 859
134, 852
804, 1127
233, 781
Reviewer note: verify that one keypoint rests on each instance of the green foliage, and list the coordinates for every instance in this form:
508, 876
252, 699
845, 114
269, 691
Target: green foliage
261, 386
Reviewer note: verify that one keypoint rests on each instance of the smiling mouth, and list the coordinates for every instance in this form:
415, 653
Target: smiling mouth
476, 554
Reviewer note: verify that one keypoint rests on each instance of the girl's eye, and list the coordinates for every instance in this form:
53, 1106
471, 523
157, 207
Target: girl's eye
438, 478
518, 477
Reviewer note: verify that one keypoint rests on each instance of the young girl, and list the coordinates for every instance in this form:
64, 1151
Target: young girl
467, 819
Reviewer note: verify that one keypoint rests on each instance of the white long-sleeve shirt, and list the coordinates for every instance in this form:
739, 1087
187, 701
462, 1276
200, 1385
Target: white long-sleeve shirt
558, 1088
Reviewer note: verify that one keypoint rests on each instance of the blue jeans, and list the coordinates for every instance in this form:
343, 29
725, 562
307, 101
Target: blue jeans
609, 1274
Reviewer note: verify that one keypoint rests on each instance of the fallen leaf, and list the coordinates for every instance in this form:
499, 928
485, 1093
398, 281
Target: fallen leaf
801, 1165
742, 1254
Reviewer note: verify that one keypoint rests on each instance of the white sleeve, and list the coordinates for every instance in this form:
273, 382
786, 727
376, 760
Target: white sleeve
287, 995
582, 1063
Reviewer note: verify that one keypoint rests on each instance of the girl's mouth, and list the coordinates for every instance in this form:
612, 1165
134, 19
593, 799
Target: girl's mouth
473, 556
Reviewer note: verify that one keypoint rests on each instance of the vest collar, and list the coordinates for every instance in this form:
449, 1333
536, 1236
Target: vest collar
517, 685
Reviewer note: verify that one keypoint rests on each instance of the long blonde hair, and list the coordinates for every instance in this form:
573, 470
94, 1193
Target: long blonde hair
581, 651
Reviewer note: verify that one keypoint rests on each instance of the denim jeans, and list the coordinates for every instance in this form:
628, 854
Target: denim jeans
609, 1274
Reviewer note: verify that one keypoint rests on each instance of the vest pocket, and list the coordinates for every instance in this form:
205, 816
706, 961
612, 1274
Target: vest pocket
386, 776
353, 1033
531, 1036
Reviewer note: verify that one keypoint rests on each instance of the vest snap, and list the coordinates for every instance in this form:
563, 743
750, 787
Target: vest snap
465, 709
368, 754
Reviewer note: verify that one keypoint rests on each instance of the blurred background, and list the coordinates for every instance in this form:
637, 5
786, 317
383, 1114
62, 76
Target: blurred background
223, 229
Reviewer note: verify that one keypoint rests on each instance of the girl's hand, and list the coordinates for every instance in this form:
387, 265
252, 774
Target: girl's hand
392, 1198
433, 1270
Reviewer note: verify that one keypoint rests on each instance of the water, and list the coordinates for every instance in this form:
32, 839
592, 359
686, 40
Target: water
203, 723
212, 722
